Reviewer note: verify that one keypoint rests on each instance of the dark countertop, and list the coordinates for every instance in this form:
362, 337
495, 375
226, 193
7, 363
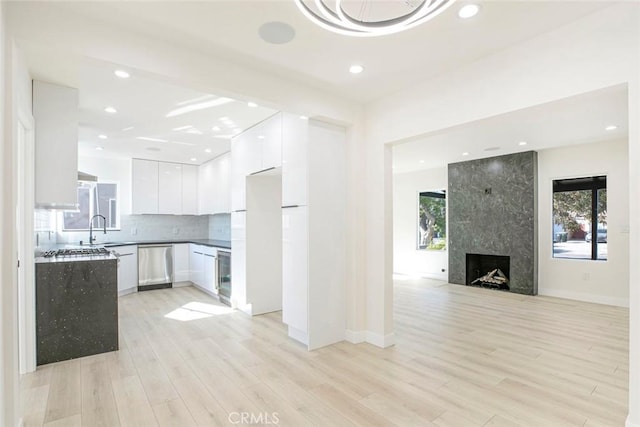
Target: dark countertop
220, 244
75, 258
223, 244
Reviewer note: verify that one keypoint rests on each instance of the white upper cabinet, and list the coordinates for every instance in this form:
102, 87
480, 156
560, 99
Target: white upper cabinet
214, 194
189, 190
170, 188
295, 136
241, 162
144, 187
55, 110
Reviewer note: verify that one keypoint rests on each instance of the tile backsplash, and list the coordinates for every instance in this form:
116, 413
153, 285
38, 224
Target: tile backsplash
151, 227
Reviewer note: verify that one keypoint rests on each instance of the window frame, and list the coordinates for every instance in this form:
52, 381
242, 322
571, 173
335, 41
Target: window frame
91, 208
592, 183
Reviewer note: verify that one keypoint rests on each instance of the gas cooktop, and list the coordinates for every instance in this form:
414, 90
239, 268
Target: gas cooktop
77, 252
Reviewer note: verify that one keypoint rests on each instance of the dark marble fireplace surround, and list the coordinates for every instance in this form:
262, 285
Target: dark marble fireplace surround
492, 207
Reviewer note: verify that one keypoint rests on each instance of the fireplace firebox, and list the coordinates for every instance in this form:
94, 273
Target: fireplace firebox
488, 271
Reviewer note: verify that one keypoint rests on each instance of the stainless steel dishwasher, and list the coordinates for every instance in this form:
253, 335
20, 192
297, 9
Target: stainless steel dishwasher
155, 267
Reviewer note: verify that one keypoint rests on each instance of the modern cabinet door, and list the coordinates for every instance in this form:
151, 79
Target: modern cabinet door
295, 282
240, 165
144, 187
295, 133
222, 184
206, 184
181, 262
270, 135
127, 268
189, 190
209, 273
239, 258
196, 264
169, 188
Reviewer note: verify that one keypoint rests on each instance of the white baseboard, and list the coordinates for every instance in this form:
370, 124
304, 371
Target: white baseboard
127, 291
379, 340
628, 423
182, 284
355, 337
579, 296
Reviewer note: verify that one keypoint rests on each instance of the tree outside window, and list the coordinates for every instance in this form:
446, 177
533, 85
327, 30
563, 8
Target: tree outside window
432, 220
580, 218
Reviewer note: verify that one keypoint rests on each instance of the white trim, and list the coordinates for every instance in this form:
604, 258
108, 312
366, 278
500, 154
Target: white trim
379, 340
579, 296
124, 292
628, 423
355, 337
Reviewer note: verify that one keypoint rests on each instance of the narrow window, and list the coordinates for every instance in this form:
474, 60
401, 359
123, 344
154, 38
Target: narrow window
432, 220
580, 218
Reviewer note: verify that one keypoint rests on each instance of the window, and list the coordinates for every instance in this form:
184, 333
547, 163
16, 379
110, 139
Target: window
94, 199
432, 220
580, 218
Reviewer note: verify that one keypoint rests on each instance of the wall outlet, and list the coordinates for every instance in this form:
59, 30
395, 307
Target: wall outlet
176, 230
134, 231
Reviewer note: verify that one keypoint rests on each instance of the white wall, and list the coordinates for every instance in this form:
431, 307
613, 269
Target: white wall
605, 282
406, 258
114, 170
5, 392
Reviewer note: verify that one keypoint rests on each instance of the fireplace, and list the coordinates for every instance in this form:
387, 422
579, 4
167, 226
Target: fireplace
488, 271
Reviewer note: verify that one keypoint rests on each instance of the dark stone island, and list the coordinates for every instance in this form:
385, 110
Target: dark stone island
76, 307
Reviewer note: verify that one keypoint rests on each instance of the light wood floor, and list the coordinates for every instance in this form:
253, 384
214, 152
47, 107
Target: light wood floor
464, 357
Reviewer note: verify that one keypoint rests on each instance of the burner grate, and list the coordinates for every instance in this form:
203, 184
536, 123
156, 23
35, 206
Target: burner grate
76, 252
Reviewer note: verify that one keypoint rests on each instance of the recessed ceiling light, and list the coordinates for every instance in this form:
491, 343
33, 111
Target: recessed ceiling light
465, 154
252, 104
215, 128
522, 143
122, 74
99, 148
193, 159
421, 161
260, 136
127, 128
304, 117
356, 69
110, 110
611, 127
468, 11
208, 150
102, 136
222, 119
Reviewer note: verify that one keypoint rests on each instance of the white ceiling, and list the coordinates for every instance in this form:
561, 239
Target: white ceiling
143, 104
229, 30
577, 120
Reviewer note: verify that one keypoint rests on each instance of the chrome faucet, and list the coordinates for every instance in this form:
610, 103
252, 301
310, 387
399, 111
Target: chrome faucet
104, 229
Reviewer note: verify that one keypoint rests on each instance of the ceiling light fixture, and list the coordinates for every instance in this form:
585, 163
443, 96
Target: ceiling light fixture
102, 136
193, 159
611, 127
421, 161
468, 11
465, 154
215, 128
521, 143
198, 106
110, 110
122, 74
304, 118
260, 136
99, 148
208, 150
356, 69
252, 104
353, 18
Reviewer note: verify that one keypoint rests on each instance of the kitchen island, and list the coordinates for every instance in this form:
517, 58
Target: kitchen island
76, 307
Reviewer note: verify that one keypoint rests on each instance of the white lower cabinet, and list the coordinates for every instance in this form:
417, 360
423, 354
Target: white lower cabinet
196, 267
127, 269
295, 269
181, 269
